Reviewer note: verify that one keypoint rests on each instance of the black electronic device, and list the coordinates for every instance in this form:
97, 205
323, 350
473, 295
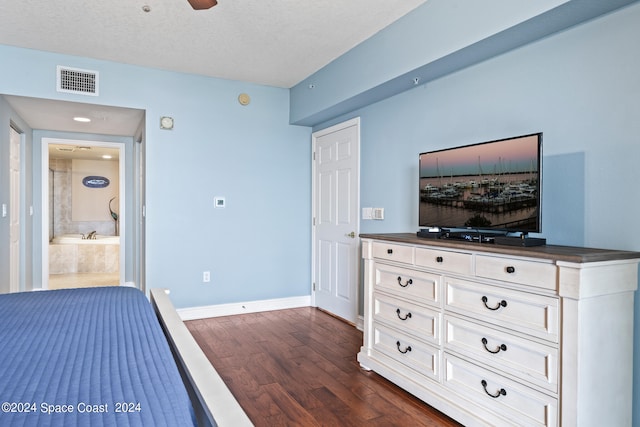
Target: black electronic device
470, 236
431, 233
492, 186
523, 241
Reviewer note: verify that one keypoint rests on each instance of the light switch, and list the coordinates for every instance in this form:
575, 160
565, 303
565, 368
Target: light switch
367, 213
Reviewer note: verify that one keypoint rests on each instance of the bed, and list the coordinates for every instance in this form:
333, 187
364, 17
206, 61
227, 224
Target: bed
105, 357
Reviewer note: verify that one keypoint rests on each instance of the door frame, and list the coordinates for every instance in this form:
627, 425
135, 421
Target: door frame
16, 206
314, 214
45, 201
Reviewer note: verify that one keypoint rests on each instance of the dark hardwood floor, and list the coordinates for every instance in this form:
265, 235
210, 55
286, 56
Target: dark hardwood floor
298, 367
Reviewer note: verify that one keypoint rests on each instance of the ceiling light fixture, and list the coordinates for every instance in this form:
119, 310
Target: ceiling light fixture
202, 4
82, 119
106, 156
146, 8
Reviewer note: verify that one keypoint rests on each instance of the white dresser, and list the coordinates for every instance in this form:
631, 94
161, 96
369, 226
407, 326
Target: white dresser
498, 335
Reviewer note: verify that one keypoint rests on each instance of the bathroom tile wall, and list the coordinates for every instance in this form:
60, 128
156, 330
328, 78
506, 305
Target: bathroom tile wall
83, 258
62, 197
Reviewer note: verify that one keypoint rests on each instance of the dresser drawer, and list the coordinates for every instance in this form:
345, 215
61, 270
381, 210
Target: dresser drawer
406, 283
523, 358
515, 402
453, 262
393, 252
531, 314
407, 350
419, 321
532, 273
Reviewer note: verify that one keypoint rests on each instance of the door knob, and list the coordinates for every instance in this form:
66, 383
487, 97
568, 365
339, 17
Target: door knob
352, 235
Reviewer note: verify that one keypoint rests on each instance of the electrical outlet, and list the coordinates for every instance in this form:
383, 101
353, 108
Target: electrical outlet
206, 276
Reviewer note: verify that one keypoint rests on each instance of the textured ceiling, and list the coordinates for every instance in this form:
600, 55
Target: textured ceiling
276, 42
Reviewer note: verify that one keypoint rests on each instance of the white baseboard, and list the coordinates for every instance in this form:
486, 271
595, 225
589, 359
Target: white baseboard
193, 313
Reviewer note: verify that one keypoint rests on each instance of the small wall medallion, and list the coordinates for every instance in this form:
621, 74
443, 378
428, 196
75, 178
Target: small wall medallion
166, 123
244, 99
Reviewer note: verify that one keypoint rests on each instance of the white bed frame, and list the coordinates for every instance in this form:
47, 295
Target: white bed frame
213, 403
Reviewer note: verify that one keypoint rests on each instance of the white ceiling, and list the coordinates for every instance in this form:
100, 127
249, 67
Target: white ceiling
83, 151
276, 43
270, 42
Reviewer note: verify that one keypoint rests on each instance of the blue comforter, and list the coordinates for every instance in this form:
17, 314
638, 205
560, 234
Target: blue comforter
87, 357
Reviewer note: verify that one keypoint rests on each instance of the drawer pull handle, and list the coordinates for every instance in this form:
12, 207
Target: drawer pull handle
502, 303
510, 269
502, 347
390, 251
407, 316
501, 392
406, 350
407, 283
439, 259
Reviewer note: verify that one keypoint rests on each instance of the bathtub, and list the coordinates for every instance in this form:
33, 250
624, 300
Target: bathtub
70, 253
77, 239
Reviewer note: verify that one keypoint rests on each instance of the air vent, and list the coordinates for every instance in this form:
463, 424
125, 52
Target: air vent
75, 80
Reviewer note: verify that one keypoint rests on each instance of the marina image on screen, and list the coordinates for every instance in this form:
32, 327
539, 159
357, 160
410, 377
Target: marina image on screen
492, 185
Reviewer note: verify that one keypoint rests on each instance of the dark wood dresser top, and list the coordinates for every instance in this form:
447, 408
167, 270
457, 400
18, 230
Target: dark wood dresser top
553, 252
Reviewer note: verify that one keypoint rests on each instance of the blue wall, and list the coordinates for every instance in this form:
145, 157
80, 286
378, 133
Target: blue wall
434, 40
258, 247
580, 87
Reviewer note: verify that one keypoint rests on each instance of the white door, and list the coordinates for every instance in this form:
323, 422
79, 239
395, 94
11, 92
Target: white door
335, 211
14, 211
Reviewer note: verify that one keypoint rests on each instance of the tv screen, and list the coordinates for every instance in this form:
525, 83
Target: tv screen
493, 185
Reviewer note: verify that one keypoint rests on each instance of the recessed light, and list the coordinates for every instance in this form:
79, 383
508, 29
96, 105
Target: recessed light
82, 119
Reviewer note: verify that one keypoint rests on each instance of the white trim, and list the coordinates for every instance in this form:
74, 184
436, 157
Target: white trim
194, 313
17, 260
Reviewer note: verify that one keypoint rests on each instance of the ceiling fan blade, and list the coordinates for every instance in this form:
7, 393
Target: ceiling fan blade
202, 4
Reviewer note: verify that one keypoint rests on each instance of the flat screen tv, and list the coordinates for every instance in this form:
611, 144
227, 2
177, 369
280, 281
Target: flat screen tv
493, 185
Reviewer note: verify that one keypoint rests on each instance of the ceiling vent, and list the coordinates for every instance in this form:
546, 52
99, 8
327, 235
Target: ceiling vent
75, 80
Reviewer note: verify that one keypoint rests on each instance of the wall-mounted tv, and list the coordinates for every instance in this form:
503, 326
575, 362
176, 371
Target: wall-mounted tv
494, 185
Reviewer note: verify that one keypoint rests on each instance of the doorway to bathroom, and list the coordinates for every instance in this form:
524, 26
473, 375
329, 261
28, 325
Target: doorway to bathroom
83, 209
